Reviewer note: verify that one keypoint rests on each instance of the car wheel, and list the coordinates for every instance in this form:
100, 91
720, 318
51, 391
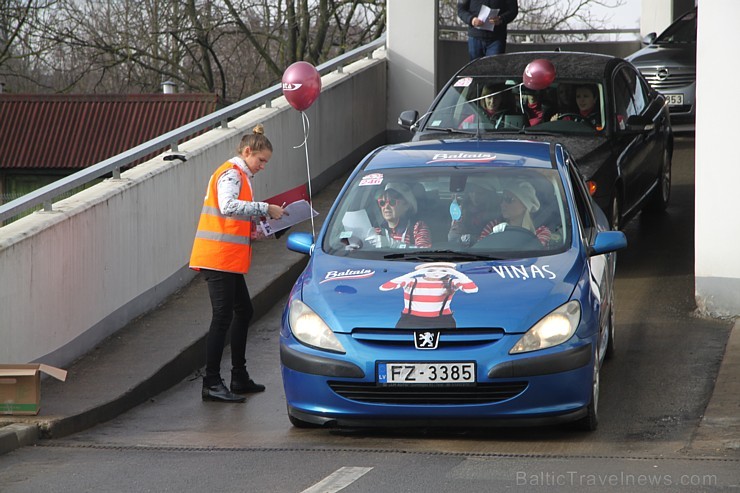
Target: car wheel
662, 193
610, 347
591, 421
614, 213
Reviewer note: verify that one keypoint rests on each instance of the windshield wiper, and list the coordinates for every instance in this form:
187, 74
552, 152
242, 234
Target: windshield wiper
432, 255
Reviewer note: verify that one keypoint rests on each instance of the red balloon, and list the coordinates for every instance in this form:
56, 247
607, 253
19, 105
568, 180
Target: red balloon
538, 74
301, 85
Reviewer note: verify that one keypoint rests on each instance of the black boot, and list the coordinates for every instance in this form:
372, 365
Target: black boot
220, 393
242, 384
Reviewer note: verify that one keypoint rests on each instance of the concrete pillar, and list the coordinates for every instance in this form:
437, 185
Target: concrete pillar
656, 15
717, 226
412, 55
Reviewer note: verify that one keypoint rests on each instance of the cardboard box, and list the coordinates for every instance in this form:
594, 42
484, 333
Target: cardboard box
20, 387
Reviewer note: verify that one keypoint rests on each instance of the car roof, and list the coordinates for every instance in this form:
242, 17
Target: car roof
568, 65
464, 152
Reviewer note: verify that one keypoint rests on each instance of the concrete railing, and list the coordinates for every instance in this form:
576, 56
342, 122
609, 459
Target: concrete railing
76, 274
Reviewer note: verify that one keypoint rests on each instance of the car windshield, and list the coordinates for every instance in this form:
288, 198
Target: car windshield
475, 105
451, 213
681, 31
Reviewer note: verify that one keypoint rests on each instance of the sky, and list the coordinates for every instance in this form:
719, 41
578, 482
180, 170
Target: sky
626, 16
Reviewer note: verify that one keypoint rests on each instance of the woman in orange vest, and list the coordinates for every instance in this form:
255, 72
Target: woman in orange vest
222, 251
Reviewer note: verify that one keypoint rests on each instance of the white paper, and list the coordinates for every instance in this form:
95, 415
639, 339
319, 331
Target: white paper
297, 212
486, 13
358, 224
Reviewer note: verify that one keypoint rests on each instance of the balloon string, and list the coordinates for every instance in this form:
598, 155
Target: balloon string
306, 129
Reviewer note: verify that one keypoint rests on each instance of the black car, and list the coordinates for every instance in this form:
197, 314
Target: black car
620, 136
668, 62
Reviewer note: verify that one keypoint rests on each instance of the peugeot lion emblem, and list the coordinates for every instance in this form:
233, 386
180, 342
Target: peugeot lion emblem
426, 339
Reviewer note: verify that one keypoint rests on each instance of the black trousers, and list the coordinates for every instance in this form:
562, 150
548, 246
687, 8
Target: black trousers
231, 309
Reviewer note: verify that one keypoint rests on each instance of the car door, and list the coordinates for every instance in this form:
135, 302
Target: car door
638, 152
598, 265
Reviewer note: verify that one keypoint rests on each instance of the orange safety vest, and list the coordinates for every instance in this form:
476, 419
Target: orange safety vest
223, 242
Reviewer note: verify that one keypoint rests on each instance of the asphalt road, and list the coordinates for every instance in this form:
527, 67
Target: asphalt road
653, 394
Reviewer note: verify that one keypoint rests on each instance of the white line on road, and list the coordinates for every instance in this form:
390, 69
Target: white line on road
338, 480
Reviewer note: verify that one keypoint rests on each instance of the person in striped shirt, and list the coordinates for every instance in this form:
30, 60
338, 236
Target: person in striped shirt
427, 294
400, 229
519, 203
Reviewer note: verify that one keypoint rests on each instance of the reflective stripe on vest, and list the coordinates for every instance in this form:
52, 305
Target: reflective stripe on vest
223, 242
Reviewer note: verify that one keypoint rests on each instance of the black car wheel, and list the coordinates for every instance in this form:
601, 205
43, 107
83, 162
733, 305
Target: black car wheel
610, 348
614, 213
662, 193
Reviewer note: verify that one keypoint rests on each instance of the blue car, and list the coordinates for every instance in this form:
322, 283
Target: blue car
454, 283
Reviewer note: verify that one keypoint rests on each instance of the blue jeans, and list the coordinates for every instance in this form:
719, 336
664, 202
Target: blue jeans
231, 309
479, 47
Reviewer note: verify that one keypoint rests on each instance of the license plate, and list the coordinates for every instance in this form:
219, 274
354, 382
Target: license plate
426, 373
674, 99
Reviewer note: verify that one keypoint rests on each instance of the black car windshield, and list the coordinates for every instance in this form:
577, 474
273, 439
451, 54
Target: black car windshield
681, 31
505, 105
451, 213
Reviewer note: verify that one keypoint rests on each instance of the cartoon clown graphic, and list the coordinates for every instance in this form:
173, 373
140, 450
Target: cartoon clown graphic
427, 294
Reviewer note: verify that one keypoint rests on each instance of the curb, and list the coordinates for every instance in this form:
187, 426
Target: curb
17, 435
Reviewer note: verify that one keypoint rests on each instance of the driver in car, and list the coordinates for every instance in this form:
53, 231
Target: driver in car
587, 99
519, 203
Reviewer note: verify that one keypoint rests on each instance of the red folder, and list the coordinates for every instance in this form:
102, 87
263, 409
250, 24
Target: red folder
288, 197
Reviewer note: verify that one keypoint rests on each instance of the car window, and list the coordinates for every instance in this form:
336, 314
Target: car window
681, 31
493, 212
630, 95
490, 104
585, 214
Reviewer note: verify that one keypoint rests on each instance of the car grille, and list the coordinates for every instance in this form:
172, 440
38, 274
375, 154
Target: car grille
447, 337
675, 79
482, 393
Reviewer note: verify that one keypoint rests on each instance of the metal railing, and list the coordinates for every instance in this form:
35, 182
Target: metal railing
460, 32
45, 195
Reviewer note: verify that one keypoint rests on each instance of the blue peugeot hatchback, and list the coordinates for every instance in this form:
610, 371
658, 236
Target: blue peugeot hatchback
464, 282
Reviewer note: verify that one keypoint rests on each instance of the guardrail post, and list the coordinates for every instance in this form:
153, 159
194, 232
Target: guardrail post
116, 173
47, 206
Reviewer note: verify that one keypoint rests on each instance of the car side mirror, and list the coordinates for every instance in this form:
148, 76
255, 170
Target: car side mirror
639, 124
300, 242
606, 242
407, 120
649, 38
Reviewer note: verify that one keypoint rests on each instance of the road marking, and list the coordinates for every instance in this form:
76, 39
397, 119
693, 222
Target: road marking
338, 480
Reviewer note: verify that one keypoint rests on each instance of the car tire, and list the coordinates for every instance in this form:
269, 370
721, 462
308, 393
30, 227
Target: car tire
614, 211
610, 347
591, 420
662, 193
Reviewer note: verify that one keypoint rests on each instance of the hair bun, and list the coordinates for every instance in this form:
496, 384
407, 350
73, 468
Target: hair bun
259, 129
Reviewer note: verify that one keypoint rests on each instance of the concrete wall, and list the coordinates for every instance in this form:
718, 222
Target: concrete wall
113, 252
717, 227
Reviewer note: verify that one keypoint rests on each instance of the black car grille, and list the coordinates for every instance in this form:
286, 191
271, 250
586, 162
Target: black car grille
447, 337
482, 393
672, 81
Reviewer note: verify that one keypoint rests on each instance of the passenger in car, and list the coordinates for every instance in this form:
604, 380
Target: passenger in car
535, 106
566, 102
400, 228
478, 208
495, 102
519, 203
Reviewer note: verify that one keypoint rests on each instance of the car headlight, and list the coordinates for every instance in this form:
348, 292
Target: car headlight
556, 328
308, 328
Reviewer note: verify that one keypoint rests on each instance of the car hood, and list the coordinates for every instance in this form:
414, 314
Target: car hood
666, 55
511, 295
